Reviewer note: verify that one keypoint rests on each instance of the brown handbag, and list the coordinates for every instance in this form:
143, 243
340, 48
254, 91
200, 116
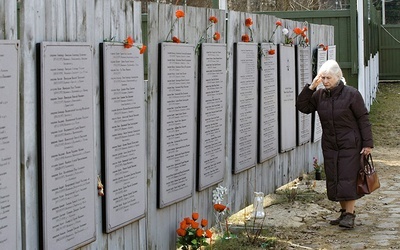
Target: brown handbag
367, 180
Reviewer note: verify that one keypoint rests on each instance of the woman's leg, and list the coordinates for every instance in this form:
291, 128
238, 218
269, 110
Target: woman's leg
348, 205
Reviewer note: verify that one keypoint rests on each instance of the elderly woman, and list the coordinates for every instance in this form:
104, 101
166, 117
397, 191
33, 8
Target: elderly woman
346, 133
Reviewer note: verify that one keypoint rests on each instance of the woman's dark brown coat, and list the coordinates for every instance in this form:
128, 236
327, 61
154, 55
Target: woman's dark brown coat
345, 131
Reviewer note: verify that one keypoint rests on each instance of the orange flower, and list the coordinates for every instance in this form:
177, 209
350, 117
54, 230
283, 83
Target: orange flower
271, 52
208, 234
213, 19
219, 207
325, 48
216, 36
248, 22
179, 13
321, 45
195, 216
306, 40
278, 23
176, 40
143, 49
245, 38
128, 42
183, 225
204, 222
181, 232
199, 232
188, 220
297, 31
305, 29
195, 224
303, 35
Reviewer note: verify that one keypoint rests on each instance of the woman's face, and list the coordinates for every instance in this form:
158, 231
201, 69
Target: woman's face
329, 80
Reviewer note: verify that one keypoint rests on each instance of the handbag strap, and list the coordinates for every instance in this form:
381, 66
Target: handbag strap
366, 163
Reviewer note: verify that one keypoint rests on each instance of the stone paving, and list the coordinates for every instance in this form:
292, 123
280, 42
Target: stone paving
307, 226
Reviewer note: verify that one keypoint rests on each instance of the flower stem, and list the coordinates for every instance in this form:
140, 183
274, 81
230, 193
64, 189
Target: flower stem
172, 28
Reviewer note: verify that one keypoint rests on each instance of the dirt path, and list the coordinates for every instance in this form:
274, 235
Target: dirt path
303, 222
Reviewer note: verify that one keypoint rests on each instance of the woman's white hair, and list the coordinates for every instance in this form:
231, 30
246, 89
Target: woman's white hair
331, 67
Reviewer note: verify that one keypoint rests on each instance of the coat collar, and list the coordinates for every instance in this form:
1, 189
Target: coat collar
335, 91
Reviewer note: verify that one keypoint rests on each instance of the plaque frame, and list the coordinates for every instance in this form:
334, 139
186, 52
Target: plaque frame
269, 149
110, 53
11, 113
204, 181
287, 97
252, 139
187, 190
42, 49
304, 76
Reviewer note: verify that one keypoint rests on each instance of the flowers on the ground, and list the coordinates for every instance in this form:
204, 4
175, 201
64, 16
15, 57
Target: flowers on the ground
317, 167
248, 38
191, 234
212, 20
178, 14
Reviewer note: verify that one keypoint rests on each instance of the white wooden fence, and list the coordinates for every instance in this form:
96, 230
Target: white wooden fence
94, 21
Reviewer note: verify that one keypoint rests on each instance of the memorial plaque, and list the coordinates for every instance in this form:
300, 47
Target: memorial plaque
67, 145
287, 98
332, 52
304, 76
317, 129
124, 135
212, 111
245, 106
9, 146
176, 123
268, 109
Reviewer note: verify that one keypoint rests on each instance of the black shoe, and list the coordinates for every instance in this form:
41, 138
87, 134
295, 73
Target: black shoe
348, 220
337, 221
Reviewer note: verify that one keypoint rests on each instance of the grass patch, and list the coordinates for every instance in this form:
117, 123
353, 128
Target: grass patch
384, 115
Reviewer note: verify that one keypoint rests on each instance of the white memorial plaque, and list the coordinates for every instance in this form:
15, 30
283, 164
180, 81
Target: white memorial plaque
67, 145
124, 135
317, 129
304, 76
287, 98
268, 94
245, 106
176, 123
211, 156
332, 52
9, 146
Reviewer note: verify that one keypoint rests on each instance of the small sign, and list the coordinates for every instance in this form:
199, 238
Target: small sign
268, 106
287, 98
304, 76
212, 111
177, 126
9, 146
245, 106
67, 145
124, 135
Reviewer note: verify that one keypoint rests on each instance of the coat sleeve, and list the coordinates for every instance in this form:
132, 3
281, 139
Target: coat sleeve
305, 102
362, 116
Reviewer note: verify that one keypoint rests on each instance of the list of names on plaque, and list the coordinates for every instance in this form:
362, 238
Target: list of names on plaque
124, 135
287, 98
246, 81
124, 147
317, 129
304, 77
9, 151
331, 52
268, 124
176, 127
212, 114
68, 171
